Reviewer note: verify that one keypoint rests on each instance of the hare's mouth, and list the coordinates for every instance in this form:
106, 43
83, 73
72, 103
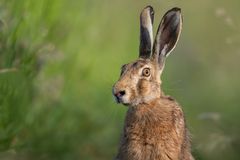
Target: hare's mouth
121, 100
118, 100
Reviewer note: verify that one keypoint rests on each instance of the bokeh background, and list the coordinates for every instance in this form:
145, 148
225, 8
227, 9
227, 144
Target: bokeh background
60, 58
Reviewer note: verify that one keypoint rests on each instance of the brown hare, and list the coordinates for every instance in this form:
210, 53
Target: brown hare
154, 127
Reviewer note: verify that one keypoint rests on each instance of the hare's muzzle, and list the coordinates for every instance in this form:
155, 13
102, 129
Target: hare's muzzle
118, 95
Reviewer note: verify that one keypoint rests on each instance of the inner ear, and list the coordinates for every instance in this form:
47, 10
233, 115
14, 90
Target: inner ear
146, 35
170, 32
145, 43
167, 34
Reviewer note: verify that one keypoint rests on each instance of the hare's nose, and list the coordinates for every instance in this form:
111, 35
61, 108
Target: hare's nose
120, 93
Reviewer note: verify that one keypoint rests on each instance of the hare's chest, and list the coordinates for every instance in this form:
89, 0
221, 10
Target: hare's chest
142, 135
138, 144
145, 139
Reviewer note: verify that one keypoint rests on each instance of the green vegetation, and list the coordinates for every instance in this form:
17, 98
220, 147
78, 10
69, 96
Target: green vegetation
60, 58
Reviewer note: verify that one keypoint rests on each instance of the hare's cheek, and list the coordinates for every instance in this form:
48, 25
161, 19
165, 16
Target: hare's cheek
143, 87
132, 95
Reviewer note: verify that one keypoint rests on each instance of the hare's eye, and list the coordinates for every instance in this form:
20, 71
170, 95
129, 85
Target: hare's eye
146, 72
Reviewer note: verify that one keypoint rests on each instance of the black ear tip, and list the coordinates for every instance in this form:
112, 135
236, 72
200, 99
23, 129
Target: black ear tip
150, 9
149, 6
175, 9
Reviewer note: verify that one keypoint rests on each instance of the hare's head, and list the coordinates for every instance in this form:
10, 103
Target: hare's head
140, 81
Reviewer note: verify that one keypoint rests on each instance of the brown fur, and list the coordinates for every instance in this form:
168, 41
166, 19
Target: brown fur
154, 126
155, 131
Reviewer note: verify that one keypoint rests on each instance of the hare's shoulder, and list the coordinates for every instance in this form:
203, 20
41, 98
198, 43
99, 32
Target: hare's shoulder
169, 101
181, 133
177, 114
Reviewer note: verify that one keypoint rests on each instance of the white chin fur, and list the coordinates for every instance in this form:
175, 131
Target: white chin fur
133, 102
137, 101
125, 100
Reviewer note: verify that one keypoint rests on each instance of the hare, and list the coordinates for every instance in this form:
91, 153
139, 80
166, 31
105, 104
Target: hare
154, 126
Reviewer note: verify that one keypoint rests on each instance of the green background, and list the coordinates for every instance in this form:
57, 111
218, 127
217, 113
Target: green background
60, 58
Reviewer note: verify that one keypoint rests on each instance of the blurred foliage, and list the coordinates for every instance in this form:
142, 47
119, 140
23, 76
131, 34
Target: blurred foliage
59, 59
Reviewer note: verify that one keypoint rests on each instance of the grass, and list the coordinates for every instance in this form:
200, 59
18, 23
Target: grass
59, 59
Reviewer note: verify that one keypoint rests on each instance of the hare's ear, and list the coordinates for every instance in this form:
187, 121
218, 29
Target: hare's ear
146, 35
167, 35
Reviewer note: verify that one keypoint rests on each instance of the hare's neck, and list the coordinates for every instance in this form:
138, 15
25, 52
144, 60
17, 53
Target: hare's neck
148, 111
